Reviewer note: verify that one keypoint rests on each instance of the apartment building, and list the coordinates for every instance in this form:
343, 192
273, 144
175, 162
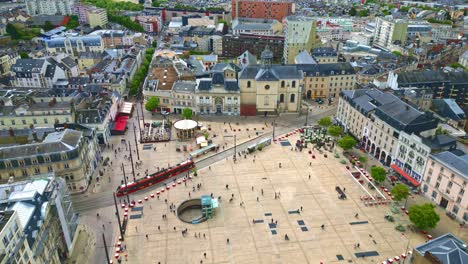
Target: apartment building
268, 88
377, 119
445, 182
389, 31
68, 153
183, 96
7, 59
266, 9
150, 24
325, 55
91, 15
49, 7
234, 46
38, 224
327, 80
36, 73
74, 45
300, 34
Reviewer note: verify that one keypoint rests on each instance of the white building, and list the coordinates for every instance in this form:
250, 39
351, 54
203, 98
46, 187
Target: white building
411, 157
464, 59
38, 73
49, 7
74, 45
300, 34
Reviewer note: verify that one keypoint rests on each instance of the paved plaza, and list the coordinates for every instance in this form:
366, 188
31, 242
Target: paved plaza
255, 242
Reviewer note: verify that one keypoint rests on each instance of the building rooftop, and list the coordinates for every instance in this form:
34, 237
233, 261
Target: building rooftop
276, 72
447, 248
184, 87
429, 77
28, 65
453, 162
87, 41
4, 218
304, 58
324, 52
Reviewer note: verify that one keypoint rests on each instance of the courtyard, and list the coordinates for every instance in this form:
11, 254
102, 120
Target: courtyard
252, 228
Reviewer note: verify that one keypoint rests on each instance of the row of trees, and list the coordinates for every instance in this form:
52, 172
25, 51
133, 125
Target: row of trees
124, 21
19, 32
140, 76
152, 104
110, 5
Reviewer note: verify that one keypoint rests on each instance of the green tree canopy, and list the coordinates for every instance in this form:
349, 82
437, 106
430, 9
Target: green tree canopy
48, 26
347, 142
424, 216
325, 121
362, 159
379, 174
154, 44
152, 104
352, 11
335, 131
24, 55
364, 13
187, 113
400, 192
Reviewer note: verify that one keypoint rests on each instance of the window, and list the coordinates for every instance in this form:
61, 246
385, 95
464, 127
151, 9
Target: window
21, 162
293, 98
293, 84
447, 191
281, 98
248, 84
462, 191
66, 166
13, 122
34, 160
459, 200
267, 100
428, 179
49, 168
46, 121
37, 170
267, 87
46, 158
282, 84
449, 185
24, 173
434, 194
455, 209
23, 121
425, 188
437, 185
34, 121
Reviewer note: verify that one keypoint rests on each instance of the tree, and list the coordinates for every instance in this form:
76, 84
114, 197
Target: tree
364, 13
152, 104
325, 122
424, 216
154, 44
441, 131
347, 142
335, 131
187, 113
400, 192
362, 159
352, 11
24, 55
48, 26
12, 31
378, 173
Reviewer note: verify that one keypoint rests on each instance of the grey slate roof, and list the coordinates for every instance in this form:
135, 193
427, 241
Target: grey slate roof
54, 143
453, 162
448, 108
221, 67
304, 58
231, 85
447, 248
218, 78
188, 87
421, 77
28, 65
204, 85
274, 73
50, 71
324, 52
327, 69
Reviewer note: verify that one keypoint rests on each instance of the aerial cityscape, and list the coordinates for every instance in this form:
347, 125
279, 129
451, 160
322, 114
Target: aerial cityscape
233, 131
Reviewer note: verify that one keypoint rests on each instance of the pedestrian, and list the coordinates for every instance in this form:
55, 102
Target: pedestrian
252, 188
232, 195
358, 245
276, 222
204, 235
323, 226
310, 163
196, 235
175, 228
280, 165
301, 208
227, 240
257, 199
286, 237
356, 215
146, 236
262, 191
204, 254
209, 167
136, 228
159, 228
227, 186
309, 176
189, 195
344, 189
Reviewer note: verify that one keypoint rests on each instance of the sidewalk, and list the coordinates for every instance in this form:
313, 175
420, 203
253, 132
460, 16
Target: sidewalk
85, 246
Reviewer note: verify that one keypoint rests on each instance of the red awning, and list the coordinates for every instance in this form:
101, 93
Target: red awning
405, 175
120, 123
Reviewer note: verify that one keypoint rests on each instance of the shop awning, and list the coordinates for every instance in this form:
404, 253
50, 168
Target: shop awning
126, 108
405, 175
120, 123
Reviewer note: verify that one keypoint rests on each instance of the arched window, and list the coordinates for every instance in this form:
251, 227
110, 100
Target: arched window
248, 84
293, 84
282, 84
293, 97
281, 98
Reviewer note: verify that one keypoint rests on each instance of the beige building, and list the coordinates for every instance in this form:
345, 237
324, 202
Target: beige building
36, 112
13, 245
73, 46
268, 88
445, 182
327, 80
8, 59
68, 153
390, 31
300, 34
97, 17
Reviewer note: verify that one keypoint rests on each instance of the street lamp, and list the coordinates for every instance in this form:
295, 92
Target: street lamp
105, 248
136, 142
131, 160
118, 216
125, 181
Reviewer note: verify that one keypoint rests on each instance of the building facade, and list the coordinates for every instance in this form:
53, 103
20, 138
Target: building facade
269, 88
278, 9
411, 157
91, 15
445, 182
14, 246
7, 59
300, 34
183, 96
74, 45
36, 73
220, 93
327, 80
49, 7
68, 153
234, 46
255, 26
388, 32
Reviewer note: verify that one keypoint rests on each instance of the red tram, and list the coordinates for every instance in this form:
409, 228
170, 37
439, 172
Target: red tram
155, 178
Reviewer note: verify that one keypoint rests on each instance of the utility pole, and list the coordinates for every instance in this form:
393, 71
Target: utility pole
138, 119
131, 160
274, 125
105, 248
136, 142
307, 116
142, 113
125, 181
118, 216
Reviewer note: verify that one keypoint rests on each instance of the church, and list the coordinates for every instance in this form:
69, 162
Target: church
270, 89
